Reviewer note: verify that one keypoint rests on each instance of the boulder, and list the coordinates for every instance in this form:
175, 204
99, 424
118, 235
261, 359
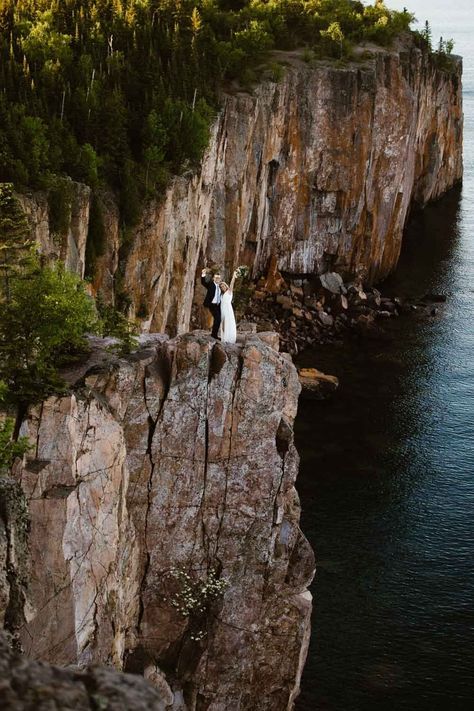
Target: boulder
271, 339
247, 327
27, 684
317, 385
297, 292
435, 298
333, 282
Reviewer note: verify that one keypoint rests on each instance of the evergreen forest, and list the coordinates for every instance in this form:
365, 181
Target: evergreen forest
121, 93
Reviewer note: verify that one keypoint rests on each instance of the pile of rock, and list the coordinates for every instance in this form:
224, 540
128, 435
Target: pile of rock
316, 310
320, 309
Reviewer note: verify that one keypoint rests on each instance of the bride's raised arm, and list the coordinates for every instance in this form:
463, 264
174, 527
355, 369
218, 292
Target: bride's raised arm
234, 277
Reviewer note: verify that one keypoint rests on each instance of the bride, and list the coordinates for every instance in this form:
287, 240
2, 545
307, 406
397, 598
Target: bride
228, 327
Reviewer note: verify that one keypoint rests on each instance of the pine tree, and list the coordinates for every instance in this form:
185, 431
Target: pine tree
16, 245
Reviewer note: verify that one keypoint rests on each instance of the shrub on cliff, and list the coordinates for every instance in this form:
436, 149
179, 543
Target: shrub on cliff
15, 242
45, 312
10, 448
42, 326
114, 323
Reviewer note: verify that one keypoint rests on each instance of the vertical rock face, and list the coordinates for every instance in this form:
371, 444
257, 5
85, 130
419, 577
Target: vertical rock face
319, 169
177, 461
69, 247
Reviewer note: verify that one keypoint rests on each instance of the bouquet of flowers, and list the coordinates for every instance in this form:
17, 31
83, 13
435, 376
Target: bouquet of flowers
242, 272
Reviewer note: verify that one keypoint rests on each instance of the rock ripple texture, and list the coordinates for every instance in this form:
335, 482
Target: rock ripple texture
179, 455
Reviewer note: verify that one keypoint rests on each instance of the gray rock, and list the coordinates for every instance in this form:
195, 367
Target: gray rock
27, 684
326, 319
332, 281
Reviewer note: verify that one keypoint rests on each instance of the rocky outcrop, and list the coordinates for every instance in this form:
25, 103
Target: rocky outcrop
164, 521
26, 684
319, 169
317, 385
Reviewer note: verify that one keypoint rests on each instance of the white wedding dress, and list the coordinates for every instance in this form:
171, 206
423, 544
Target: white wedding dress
228, 327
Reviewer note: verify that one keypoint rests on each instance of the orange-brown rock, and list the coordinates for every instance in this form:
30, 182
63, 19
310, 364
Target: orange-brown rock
274, 281
316, 171
179, 457
317, 384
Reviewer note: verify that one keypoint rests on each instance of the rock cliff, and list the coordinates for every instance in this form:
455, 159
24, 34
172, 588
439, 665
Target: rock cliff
320, 169
27, 684
164, 530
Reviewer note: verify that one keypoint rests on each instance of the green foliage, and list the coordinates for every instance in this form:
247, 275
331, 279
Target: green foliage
45, 312
42, 327
9, 448
15, 242
335, 35
88, 165
443, 54
426, 35
122, 92
114, 323
96, 238
59, 204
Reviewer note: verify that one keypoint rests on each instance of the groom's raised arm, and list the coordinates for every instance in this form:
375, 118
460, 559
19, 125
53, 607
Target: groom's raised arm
205, 278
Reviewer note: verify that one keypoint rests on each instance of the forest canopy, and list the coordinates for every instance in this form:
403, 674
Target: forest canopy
122, 92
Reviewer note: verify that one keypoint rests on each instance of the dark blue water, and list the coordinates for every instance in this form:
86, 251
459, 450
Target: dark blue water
387, 473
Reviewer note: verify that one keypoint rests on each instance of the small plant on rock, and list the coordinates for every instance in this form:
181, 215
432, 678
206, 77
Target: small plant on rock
9, 448
192, 597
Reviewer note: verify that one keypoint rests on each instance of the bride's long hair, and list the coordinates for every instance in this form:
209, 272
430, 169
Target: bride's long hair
223, 287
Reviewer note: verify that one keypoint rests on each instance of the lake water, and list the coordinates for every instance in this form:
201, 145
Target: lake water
387, 471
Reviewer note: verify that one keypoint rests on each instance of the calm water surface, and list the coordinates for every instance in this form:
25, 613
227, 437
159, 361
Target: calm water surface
387, 472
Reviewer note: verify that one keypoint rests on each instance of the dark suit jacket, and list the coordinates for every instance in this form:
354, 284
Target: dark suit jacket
211, 290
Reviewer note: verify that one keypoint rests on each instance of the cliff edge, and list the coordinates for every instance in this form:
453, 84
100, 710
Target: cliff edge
319, 169
164, 533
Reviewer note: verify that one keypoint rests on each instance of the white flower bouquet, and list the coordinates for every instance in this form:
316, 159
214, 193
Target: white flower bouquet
242, 272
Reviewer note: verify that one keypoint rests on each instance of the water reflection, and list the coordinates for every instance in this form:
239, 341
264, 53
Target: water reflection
387, 492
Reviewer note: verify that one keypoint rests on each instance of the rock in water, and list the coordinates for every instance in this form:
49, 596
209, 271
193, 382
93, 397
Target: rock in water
316, 384
435, 298
177, 458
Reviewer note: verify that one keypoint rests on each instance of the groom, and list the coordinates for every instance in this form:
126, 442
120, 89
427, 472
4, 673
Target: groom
213, 298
